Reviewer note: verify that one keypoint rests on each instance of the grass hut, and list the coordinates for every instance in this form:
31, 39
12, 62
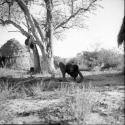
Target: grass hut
17, 56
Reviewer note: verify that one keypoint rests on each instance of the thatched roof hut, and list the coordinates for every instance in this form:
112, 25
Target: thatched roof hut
17, 56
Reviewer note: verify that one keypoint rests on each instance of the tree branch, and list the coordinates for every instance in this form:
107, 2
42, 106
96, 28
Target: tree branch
7, 22
38, 28
24, 8
75, 14
3, 3
8, 2
30, 21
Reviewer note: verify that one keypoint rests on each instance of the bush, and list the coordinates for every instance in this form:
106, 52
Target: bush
109, 59
57, 60
104, 59
87, 60
82, 104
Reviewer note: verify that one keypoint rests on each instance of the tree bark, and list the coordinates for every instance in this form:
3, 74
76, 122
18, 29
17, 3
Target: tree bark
48, 59
37, 66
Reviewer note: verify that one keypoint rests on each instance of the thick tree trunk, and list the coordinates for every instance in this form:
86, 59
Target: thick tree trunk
45, 43
48, 61
37, 66
47, 65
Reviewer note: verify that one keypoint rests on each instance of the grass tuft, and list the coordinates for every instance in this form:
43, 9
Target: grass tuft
82, 102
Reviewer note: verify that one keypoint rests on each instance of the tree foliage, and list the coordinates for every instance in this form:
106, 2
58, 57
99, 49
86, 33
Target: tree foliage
100, 58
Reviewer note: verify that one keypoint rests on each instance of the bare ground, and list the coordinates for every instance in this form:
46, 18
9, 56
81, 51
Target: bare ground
49, 108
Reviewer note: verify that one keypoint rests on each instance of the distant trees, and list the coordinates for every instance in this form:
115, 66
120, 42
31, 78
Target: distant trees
103, 59
39, 20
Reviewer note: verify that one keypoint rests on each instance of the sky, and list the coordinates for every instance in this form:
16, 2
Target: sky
101, 32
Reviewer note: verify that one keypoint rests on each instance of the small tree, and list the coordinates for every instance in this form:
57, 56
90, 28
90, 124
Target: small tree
52, 20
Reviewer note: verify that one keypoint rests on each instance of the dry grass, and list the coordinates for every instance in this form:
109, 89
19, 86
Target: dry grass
10, 92
79, 98
12, 73
84, 99
80, 101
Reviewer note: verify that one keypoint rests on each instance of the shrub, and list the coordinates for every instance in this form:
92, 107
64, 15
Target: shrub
8, 92
103, 58
82, 103
109, 58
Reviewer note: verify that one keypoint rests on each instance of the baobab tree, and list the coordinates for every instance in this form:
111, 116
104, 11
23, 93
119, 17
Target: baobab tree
52, 18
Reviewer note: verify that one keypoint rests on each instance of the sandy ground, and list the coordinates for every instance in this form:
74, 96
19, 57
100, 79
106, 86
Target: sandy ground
108, 111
